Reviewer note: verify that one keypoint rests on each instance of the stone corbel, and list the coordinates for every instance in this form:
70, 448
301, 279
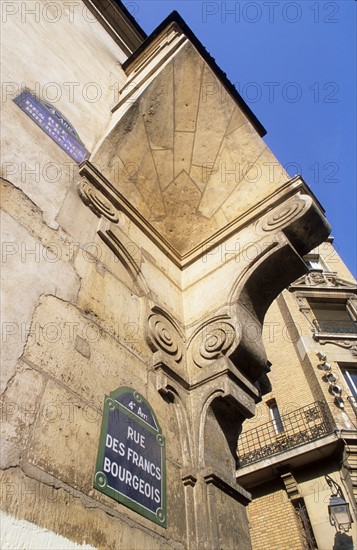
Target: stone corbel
346, 344
201, 359
291, 486
97, 202
300, 219
235, 491
166, 339
212, 340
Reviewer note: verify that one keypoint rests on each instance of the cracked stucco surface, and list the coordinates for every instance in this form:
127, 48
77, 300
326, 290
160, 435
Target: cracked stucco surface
29, 264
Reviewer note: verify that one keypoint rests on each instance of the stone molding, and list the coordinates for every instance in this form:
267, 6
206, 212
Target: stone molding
119, 24
144, 67
165, 335
212, 340
316, 279
291, 486
97, 202
299, 212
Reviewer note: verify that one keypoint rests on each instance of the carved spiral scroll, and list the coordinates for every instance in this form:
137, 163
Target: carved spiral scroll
213, 341
97, 202
165, 336
284, 214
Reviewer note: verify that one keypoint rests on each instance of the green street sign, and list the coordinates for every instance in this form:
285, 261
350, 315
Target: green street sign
131, 465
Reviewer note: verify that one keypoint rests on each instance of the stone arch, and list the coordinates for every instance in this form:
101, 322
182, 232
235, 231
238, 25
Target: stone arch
220, 426
251, 295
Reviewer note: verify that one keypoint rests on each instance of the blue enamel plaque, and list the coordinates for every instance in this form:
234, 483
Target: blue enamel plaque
54, 124
131, 457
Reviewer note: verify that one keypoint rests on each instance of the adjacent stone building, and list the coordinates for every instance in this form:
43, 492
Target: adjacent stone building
146, 230
305, 428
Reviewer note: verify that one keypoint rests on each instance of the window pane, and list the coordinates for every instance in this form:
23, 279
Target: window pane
314, 261
350, 376
314, 264
275, 415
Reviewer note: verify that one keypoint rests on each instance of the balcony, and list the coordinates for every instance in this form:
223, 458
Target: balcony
337, 327
301, 426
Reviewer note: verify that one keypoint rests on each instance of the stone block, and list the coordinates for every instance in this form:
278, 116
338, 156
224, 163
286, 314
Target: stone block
19, 407
65, 438
52, 349
69, 513
116, 307
187, 76
28, 263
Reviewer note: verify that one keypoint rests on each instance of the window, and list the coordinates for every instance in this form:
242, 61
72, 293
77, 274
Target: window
333, 316
350, 376
315, 261
304, 524
275, 416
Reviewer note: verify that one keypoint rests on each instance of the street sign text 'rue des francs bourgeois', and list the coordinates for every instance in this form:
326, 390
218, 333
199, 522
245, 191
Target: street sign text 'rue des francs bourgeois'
131, 456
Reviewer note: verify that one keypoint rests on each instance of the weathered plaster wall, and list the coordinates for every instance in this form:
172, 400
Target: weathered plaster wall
62, 54
17, 533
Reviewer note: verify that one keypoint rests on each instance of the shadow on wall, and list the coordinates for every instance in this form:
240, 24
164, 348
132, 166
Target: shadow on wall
343, 542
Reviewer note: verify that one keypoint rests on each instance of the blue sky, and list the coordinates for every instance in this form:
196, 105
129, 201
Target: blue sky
294, 63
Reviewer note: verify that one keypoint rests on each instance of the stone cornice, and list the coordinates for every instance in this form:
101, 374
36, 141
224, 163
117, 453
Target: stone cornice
295, 187
174, 19
118, 22
143, 67
317, 281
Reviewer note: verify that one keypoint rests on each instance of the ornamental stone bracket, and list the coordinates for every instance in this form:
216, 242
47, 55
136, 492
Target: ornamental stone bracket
297, 217
350, 345
291, 486
212, 249
209, 362
211, 398
203, 356
181, 379
97, 202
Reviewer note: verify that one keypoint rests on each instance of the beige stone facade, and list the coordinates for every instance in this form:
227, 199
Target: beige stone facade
150, 266
285, 470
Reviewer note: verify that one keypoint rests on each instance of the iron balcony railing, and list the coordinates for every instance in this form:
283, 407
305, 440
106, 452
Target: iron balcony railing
298, 427
338, 327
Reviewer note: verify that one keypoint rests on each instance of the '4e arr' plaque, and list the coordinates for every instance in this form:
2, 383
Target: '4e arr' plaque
131, 456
